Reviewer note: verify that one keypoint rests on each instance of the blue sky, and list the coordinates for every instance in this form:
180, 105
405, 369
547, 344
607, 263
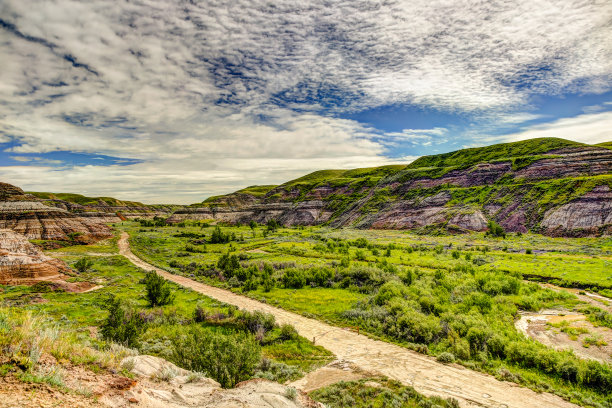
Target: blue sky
174, 101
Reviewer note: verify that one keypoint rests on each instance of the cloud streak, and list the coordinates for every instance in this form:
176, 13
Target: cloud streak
255, 91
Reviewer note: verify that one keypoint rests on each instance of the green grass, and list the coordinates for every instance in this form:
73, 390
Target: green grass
322, 303
376, 393
255, 191
443, 267
469, 157
607, 145
84, 200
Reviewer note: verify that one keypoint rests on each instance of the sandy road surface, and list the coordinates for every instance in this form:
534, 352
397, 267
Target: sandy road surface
426, 375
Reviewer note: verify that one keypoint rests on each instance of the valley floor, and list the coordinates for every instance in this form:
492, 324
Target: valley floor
425, 374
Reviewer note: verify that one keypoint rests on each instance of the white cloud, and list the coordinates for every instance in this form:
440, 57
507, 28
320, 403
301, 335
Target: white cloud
588, 128
215, 95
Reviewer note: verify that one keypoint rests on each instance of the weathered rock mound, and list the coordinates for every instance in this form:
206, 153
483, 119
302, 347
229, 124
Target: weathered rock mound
590, 214
180, 391
29, 216
22, 263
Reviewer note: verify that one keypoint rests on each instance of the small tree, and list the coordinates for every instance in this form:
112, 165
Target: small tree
158, 290
273, 225
83, 264
219, 237
495, 230
229, 264
122, 325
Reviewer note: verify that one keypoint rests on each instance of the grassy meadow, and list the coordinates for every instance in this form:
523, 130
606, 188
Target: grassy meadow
454, 297
280, 354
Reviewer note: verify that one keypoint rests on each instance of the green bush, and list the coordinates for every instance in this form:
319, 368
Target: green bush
122, 324
287, 332
158, 292
495, 230
83, 265
389, 291
228, 264
219, 237
294, 278
256, 322
227, 358
446, 357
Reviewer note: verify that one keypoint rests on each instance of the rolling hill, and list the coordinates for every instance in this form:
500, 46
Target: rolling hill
548, 185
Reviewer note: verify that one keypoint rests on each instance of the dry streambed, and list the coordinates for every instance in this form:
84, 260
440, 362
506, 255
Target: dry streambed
427, 376
564, 330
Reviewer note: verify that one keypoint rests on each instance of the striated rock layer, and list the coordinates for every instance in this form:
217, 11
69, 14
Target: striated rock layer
29, 216
22, 263
565, 192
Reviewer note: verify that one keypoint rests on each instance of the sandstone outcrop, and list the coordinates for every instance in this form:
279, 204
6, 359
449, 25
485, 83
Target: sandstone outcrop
29, 216
178, 390
22, 263
589, 214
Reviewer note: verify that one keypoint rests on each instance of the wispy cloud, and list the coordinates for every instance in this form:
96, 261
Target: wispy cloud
254, 91
587, 128
38, 160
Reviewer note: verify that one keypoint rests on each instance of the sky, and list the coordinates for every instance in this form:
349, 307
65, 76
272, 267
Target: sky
166, 101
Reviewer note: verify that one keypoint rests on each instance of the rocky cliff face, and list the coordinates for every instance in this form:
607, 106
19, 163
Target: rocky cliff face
564, 192
590, 214
22, 263
101, 211
30, 217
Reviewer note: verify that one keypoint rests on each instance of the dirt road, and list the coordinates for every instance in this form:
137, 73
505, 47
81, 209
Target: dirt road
425, 374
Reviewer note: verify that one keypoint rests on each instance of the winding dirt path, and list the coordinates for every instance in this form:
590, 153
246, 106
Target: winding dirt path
426, 375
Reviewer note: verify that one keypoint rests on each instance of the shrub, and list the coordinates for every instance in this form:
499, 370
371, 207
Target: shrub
277, 371
227, 358
83, 265
287, 332
446, 357
568, 369
229, 264
272, 225
495, 230
389, 291
320, 276
158, 292
219, 237
294, 278
360, 243
417, 327
360, 255
199, 314
250, 284
407, 277
255, 322
122, 324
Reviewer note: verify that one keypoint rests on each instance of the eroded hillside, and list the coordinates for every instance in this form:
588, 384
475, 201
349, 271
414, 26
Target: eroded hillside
552, 186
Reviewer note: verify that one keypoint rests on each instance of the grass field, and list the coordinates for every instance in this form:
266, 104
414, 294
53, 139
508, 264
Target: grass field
456, 295
77, 314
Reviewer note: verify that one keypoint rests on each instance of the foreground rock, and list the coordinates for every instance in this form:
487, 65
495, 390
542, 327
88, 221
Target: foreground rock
161, 384
29, 216
22, 263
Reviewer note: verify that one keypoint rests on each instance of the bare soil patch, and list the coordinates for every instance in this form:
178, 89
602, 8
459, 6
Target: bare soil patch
547, 327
